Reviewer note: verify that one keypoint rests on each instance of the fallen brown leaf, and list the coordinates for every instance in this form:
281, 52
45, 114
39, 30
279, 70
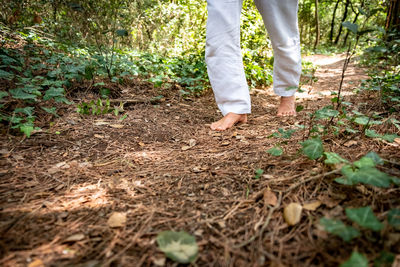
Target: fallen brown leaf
226, 143
75, 238
192, 142
117, 126
117, 219
312, 205
36, 263
292, 213
184, 148
270, 198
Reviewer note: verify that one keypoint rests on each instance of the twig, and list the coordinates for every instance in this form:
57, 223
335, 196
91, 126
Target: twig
133, 241
310, 179
265, 225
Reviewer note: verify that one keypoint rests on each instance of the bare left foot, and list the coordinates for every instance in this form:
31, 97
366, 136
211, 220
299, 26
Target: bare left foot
287, 106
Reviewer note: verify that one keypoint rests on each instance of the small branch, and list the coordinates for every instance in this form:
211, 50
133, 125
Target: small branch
294, 186
265, 225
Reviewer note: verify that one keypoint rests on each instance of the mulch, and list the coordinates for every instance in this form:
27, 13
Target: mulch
167, 170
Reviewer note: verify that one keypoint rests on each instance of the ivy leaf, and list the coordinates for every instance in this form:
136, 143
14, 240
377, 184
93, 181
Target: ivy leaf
26, 128
3, 94
275, 151
53, 92
385, 259
351, 26
372, 176
364, 120
394, 217
395, 180
286, 134
337, 227
313, 148
390, 137
51, 110
326, 113
333, 158
6, 75
258, 173
364, 162
375, 157
26, 110
364, 217
178, 246
371, 133
356, 259
18, 93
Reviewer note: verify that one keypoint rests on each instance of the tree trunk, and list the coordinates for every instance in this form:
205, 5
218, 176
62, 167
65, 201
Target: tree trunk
333, 21
392, 17
343, 20
317, 31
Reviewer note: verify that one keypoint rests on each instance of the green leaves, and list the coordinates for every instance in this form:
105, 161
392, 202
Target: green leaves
364, 217
283, 134
6, 75
351, 26
375, 157
394, 217
3, 94
121, 32
326, 113
19, 93
275, 151
364, 171
338, 228
178, 246
356, 259
333, 158
312, 148
372, 176
54, 92
258, 173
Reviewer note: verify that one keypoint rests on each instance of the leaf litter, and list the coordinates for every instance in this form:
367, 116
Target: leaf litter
207, 190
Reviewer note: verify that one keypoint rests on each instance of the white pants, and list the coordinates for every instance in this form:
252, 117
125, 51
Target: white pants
224, 58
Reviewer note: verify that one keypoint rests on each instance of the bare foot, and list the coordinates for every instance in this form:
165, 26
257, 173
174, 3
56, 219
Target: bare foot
287, 106
228, 121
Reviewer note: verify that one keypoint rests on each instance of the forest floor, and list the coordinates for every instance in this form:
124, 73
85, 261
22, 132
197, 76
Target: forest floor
166, 170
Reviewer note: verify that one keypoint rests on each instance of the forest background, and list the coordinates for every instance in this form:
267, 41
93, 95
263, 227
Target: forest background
164, 42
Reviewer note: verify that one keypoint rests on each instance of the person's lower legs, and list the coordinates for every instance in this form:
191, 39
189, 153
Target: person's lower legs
224, 62
280, 19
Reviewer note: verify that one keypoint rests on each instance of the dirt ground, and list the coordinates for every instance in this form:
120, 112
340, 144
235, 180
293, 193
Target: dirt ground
166, 170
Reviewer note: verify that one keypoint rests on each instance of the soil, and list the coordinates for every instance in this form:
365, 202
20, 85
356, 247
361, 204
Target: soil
166, 170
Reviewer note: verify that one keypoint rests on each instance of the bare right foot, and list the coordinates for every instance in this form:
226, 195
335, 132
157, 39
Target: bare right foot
228, 121
287, 106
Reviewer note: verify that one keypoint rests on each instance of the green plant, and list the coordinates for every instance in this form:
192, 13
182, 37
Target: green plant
361, 171
178, 246
98, 107
366, 220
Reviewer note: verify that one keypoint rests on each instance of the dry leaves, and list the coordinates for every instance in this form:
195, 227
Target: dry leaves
117, 219
36, 263
270, 198
350, 143
292, 213
117, 126
75, 238
312, 205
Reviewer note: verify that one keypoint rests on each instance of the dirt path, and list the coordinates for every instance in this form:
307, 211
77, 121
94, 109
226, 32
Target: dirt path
166, 170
